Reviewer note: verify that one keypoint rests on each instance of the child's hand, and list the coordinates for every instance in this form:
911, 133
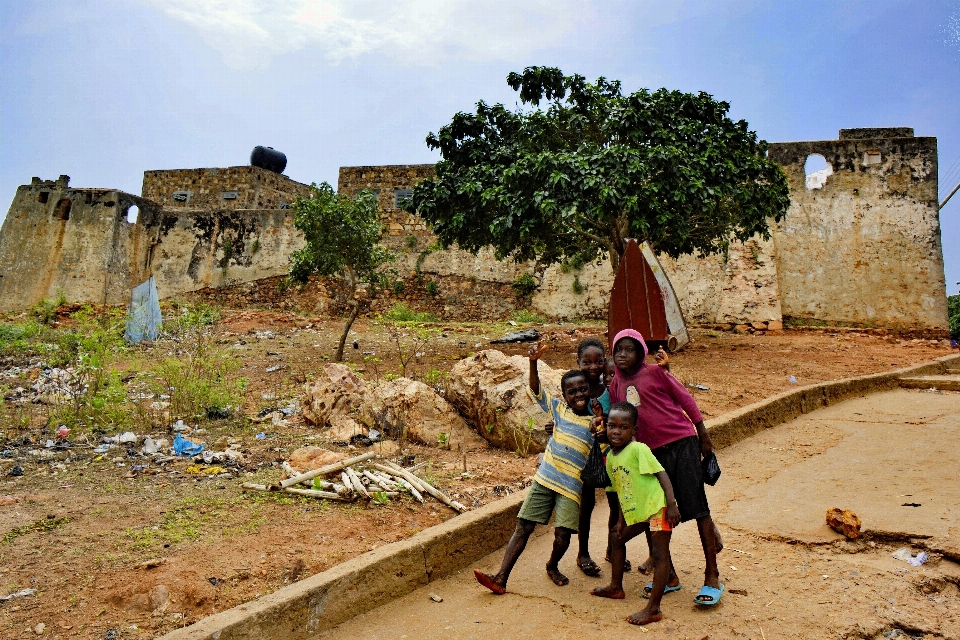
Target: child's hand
662, 358
536, 351
548, 427
596, 426
673, 514
596, 407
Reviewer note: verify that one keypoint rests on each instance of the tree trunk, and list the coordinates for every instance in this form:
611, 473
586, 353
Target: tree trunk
352, 281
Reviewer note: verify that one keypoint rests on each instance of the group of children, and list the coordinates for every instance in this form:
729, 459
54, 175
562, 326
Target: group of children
652, 435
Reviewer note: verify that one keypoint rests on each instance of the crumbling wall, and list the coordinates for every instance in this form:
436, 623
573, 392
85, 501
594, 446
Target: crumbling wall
75, 242
213, 189
194, 250
863, 248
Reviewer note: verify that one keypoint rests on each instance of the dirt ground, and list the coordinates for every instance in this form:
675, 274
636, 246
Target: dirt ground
114, 553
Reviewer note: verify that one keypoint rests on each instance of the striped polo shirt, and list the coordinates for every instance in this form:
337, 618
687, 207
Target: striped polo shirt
567, 450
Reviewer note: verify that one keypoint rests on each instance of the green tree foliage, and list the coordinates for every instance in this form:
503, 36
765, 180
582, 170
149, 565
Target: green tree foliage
572, 179
953, 309
343, 239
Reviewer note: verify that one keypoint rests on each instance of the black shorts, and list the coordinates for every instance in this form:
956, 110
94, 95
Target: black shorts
681, 460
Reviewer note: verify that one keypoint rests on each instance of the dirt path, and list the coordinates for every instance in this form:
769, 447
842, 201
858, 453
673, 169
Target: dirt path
787, 574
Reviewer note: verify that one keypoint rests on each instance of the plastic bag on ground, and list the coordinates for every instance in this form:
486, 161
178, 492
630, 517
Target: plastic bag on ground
184, 447
144, 320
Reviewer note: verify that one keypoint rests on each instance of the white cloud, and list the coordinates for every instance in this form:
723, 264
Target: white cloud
248, 33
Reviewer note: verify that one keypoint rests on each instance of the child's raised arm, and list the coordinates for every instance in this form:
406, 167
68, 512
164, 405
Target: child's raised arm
673, 512
536, 351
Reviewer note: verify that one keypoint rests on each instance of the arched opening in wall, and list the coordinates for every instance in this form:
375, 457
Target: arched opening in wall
817, 170
133, 213
62, 212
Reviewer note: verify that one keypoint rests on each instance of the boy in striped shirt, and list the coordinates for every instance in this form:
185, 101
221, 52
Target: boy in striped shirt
557, 485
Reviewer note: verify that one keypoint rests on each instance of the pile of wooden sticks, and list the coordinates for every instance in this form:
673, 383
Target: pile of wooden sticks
359, 478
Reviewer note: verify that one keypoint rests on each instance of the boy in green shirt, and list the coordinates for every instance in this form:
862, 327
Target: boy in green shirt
646, 503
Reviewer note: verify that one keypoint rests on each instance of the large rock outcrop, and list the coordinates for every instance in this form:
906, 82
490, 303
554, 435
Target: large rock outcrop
336, 392
411, 409
490, 390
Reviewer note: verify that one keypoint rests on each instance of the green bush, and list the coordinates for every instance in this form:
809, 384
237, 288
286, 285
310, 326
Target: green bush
433, 288
953, 308
402, 313
187, 317
524, 285
202, 381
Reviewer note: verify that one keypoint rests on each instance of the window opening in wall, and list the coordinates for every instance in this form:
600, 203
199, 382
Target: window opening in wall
401, 194
817, 170
62, 212
43, 196
87, 198
133, 213
871, 157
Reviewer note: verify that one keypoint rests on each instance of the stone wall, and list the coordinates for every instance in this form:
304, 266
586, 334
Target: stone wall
217, 248
75, 242
863, 248
221, 188
736, 289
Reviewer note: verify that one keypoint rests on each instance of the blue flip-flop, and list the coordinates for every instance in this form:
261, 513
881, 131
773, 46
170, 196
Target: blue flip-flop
713, 593
666, 590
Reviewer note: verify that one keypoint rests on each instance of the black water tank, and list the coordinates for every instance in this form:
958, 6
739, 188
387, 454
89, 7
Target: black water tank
268, 158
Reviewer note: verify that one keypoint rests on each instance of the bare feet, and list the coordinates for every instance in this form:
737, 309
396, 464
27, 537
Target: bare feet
609, 591
647, 567
490, 582
645, 617
558, 578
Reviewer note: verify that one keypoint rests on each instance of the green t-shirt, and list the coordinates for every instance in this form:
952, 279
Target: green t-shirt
633, 476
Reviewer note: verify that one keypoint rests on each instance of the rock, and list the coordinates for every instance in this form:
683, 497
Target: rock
409, 408
386, 448
741, 328
343, 428
490, 390
844, 521
39, 629
774, 325
159, 597
336, 391
759, 326
308, 458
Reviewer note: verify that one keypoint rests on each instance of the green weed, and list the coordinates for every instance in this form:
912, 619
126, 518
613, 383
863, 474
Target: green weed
526, 316
402, 313
433, 288
524, 285
45, 524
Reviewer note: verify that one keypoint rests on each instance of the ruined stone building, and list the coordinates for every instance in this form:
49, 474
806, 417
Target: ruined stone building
860, 244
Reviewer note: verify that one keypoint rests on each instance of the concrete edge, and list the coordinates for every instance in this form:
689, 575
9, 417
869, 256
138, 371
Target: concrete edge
340, 593
372, 579
736, 425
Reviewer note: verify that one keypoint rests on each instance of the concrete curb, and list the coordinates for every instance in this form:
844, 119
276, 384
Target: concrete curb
327, 599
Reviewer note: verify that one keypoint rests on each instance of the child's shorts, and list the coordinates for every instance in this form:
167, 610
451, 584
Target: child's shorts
659, 522
540, 504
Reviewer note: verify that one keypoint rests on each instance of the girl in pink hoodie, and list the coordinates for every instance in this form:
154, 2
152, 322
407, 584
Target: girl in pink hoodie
670, 423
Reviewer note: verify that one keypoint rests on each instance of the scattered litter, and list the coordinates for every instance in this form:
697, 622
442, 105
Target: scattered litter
701, 387
144, 320
261, 435
904, 553
184, 447
218, 413
15, 471
213, 581
910, 504
179, 427
62, 432
20, 594
528, 335
793, 379
103, 448
207, 471
151, 446
273, 368
739, 592
435, 597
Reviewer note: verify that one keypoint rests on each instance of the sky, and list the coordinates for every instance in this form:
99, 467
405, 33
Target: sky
103, 90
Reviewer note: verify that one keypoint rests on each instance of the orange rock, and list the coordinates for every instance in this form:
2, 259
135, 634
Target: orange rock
774, 325
308, 458
844, 521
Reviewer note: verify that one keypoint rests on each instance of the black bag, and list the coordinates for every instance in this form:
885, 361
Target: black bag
595, 472
710, 469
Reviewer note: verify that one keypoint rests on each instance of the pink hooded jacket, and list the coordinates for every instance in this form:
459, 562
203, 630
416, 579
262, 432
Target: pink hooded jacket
666, 411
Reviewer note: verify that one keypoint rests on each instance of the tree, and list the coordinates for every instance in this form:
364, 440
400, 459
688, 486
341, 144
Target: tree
573, 180
343, 238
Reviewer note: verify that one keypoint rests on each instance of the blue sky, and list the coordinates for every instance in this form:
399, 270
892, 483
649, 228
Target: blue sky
104, 90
